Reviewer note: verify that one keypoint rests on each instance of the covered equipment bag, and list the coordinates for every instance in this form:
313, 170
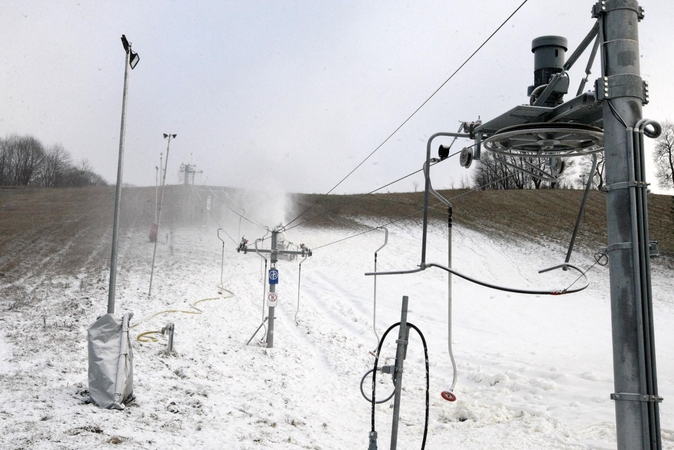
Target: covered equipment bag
110, 362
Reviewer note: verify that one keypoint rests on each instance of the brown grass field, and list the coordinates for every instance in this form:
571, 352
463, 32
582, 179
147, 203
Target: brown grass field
46, 232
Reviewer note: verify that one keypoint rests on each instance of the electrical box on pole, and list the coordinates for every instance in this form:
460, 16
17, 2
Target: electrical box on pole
273, 274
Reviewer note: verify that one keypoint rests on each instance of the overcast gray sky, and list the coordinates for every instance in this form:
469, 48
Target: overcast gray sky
285, 94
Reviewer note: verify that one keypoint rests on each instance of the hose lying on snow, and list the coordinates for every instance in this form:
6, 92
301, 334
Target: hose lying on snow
149, 336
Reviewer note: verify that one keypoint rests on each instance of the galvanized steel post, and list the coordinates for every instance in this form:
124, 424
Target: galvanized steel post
272, 289
621, 86
118, 189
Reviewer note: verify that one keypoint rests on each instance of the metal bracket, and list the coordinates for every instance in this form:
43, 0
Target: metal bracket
623, 185
602, 7
654, 249
618, 246
622, 85
624, 396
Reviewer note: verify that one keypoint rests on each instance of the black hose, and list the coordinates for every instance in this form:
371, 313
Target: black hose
374, 376
369, 399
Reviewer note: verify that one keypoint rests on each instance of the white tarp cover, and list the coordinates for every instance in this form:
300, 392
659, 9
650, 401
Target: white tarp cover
110, 361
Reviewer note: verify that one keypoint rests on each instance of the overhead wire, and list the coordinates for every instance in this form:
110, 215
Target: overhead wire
395, 221
352, 200
414, 112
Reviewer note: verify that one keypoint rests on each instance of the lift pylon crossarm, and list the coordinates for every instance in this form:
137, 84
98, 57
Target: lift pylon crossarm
274, 253
305, 251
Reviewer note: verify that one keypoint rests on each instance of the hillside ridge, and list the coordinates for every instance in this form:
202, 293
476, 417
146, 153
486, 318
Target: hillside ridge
76, 223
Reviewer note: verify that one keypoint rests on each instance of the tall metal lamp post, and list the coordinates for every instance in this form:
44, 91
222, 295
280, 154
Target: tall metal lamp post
131, 61
161, 200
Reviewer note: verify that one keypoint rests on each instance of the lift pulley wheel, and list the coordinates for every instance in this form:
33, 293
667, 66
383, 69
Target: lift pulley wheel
466, 157
546, 140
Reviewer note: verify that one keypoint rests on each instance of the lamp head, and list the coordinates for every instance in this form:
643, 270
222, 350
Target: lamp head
134, 58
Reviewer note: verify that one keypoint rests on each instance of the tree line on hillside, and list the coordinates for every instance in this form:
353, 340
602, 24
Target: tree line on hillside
24, 161
514, 172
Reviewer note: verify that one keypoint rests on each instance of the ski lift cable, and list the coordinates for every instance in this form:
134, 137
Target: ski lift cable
348, 202
353, 200
416, 110
393, 222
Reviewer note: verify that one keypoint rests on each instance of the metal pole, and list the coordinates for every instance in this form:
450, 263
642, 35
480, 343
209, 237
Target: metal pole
163, 185
449, 301
401, 354
427, 190
118, 192
156, 191
622, 109
272, 288
240, 217
222, 260
374, 305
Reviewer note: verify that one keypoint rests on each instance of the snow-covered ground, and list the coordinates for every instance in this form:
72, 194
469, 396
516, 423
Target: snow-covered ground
534, 371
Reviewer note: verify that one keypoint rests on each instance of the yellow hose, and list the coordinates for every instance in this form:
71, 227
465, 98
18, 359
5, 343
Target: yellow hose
145, 337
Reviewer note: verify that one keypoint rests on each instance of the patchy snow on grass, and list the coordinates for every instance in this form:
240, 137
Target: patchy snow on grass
534, 371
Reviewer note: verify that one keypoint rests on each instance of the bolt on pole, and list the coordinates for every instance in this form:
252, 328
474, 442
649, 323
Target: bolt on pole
637, 415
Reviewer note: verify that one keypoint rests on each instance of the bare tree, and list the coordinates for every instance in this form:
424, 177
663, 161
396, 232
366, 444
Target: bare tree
56, 164
4, 162
24, 161
82, 175
22, 157
663, 155
585, 165
514, 172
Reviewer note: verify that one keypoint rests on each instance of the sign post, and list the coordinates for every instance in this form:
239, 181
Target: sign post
273, 279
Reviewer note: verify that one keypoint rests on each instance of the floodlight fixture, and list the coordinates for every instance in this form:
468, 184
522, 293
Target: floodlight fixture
173, 136
134, 58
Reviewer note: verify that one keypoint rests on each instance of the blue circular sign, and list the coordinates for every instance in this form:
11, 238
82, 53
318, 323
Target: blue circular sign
273, 276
